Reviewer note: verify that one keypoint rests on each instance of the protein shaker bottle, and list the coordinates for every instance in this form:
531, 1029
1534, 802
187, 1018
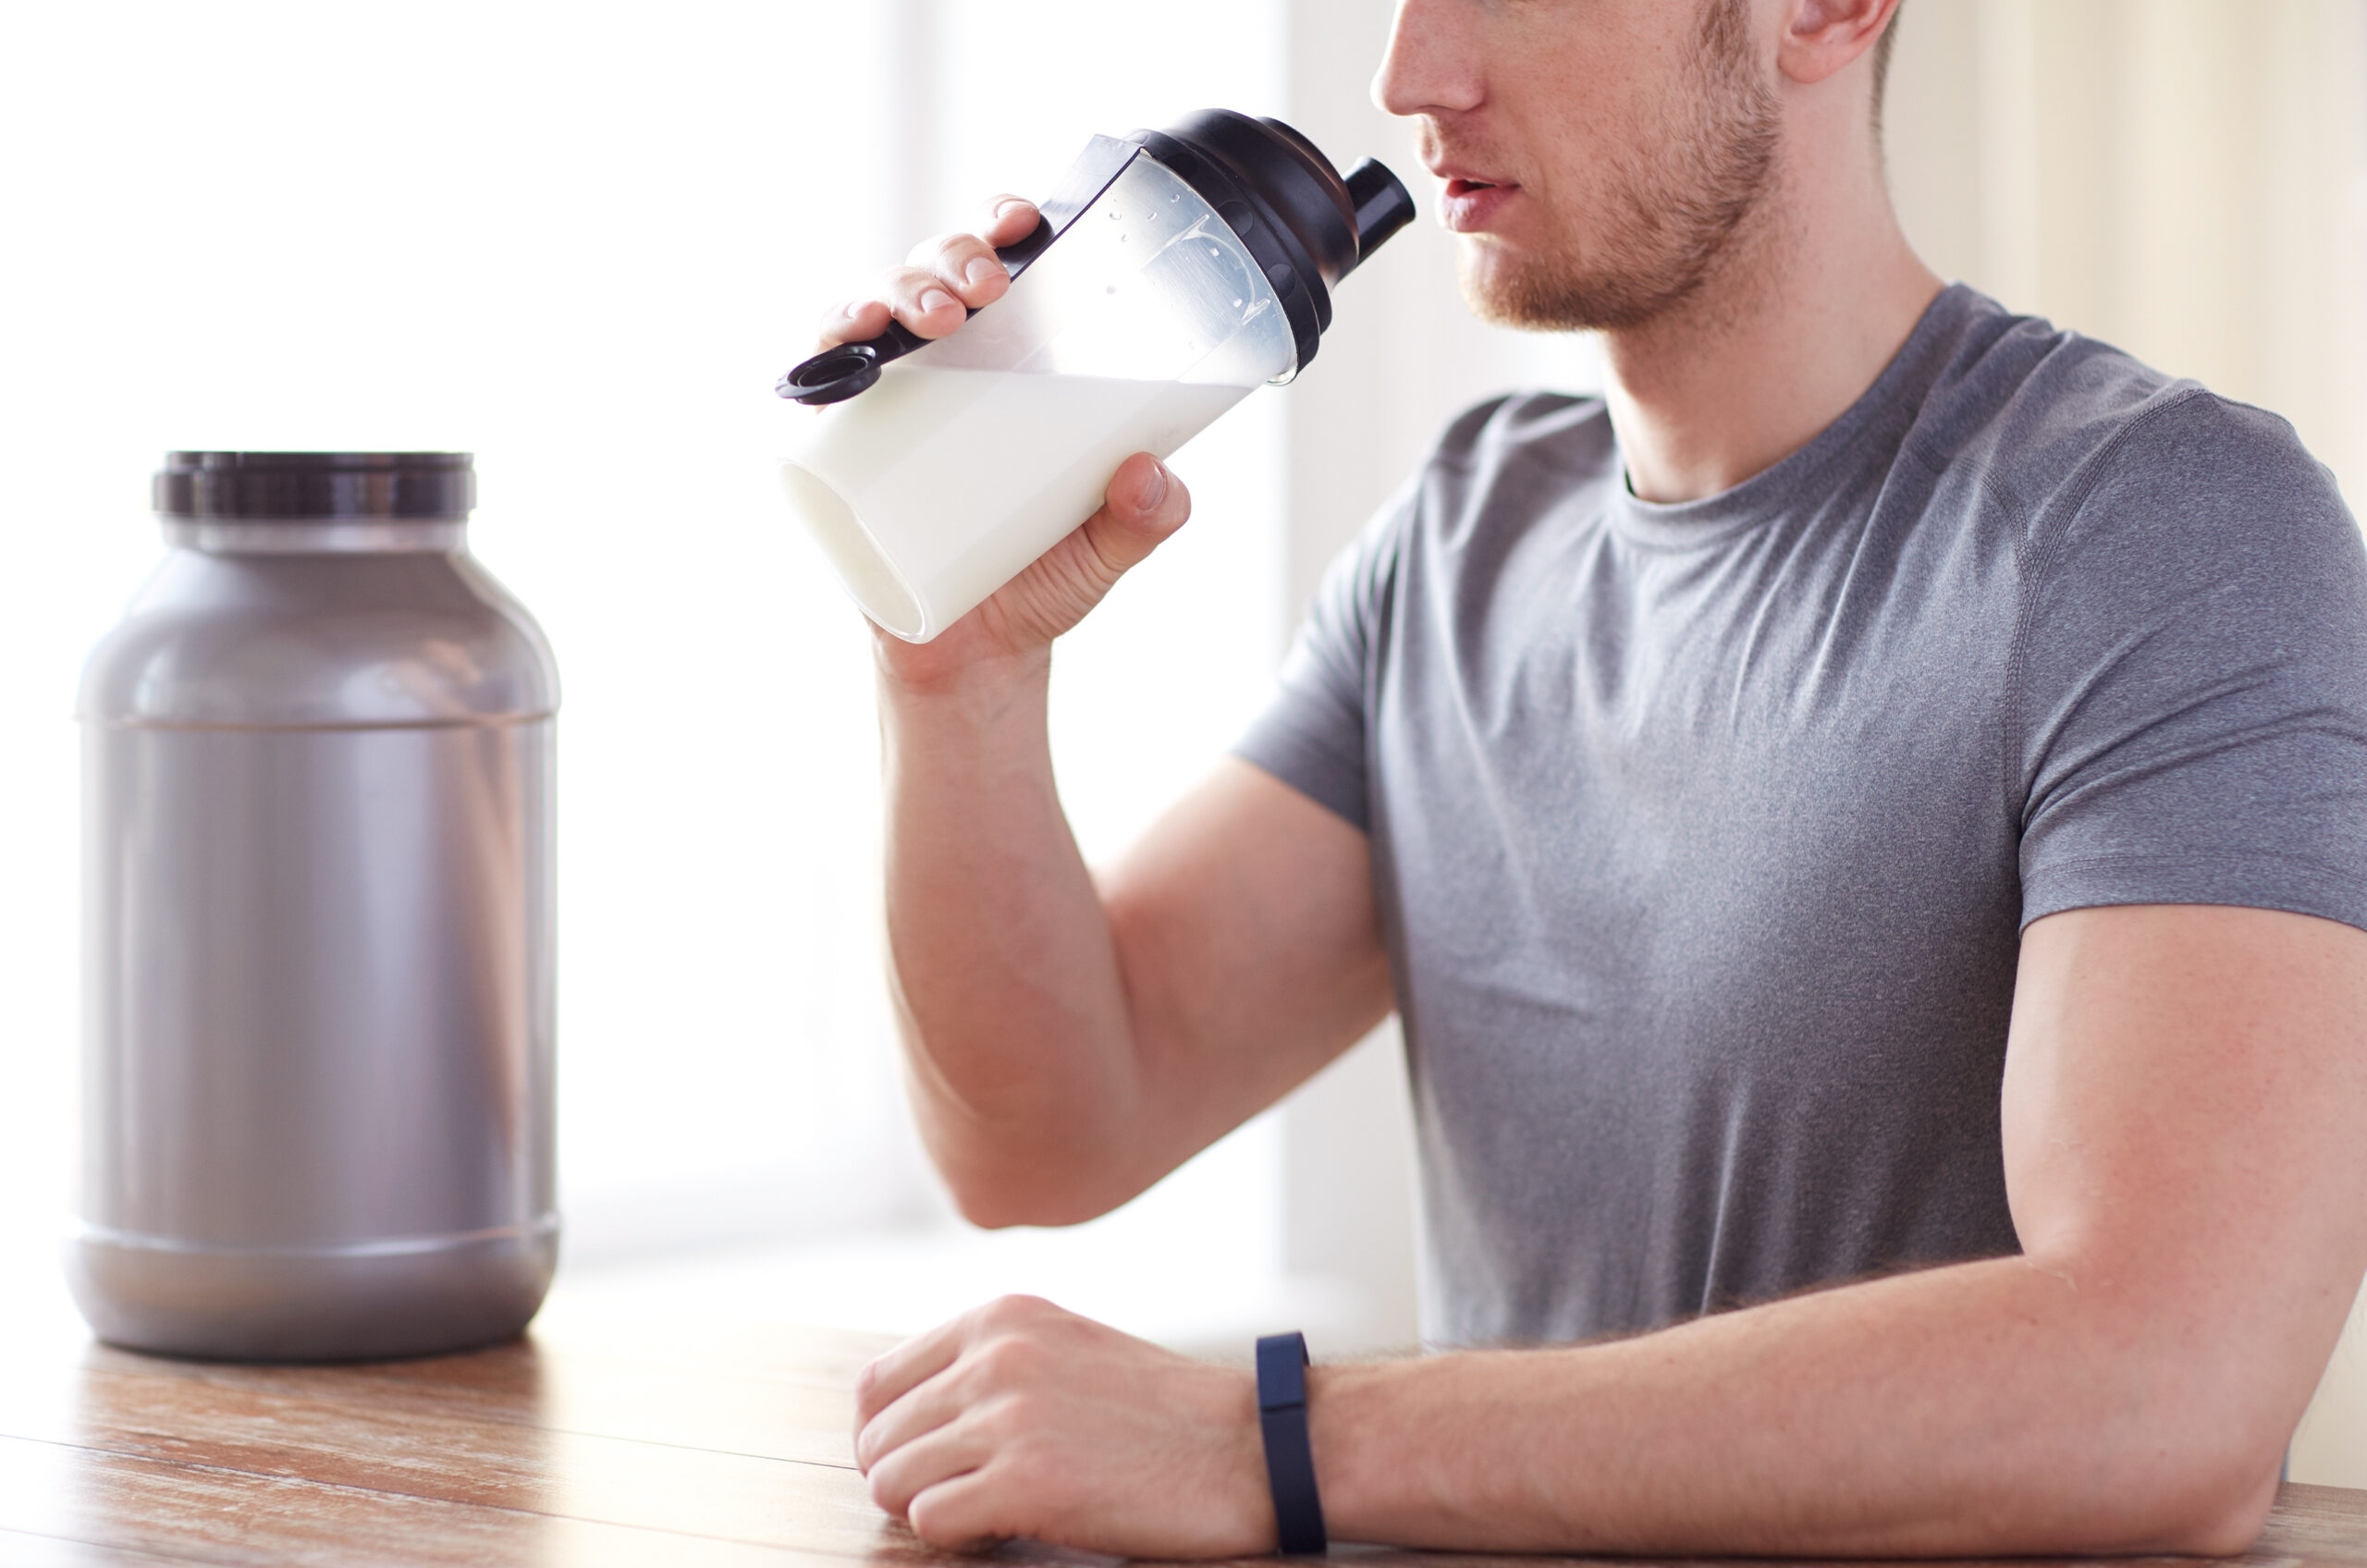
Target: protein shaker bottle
317, 942
1174, 271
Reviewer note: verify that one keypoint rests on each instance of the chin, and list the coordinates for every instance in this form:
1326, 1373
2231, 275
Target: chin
1493, 284
1505, 288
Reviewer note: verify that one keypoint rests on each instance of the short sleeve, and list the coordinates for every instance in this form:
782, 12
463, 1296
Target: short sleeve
1312, 735
2190, 707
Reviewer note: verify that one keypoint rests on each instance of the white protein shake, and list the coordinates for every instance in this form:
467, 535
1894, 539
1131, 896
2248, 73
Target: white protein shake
937, 486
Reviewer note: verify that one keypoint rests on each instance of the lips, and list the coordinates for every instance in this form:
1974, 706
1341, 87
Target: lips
1471, 206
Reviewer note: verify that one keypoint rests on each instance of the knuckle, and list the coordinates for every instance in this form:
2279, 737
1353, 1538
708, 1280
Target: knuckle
1010, 1311
1012, 1421
1007, 1359
1047, 1479
928, 250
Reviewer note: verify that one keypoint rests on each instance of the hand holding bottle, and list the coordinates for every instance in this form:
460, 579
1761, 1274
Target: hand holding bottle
942, 280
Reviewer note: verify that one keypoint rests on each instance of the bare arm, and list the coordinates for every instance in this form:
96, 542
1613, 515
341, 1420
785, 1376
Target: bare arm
2184, 1091
1068, 1043
2185, 1087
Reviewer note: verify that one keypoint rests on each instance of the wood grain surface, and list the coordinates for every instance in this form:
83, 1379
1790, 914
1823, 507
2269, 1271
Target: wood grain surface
597, 1441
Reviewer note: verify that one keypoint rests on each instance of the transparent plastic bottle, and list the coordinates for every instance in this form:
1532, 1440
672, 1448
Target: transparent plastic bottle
1174, 273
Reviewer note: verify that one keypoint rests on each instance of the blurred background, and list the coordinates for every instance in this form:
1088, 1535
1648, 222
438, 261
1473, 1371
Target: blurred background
583, 240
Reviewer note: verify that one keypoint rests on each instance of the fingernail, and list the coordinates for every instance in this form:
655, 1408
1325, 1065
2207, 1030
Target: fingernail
980, 269
1154, 488
851, 310
936, 300
1007, 204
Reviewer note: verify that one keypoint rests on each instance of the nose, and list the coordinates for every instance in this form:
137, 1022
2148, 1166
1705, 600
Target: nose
1431, 65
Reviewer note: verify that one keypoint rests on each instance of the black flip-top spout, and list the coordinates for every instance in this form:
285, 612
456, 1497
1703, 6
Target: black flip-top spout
1383, 205
1305, 225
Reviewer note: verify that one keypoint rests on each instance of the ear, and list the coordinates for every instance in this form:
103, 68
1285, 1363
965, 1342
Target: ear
1823, 37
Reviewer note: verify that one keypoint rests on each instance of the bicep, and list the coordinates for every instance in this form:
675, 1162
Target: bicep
1250, 946
2185, 1094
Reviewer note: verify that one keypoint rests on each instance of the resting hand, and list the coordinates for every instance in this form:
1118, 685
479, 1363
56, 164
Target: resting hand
1021, 1419
942, 279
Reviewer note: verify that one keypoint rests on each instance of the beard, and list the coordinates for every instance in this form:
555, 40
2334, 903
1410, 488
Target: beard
1674, 209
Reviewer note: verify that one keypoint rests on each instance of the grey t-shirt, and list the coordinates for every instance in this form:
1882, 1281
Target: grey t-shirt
1704, 835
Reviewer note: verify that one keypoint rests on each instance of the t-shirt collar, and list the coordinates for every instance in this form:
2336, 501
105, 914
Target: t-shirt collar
1870, 429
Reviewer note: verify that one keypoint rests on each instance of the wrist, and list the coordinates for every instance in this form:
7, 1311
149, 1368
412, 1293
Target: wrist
1290, 1460
1348, 1412
928, 675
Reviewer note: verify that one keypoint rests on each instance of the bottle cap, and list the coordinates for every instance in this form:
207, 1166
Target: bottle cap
1306, 227
317, 487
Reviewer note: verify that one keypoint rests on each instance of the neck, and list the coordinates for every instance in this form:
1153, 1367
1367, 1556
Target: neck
1813, 298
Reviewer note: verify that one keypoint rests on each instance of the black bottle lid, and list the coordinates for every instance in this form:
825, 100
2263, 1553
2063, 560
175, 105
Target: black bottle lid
317, 487
1306, 226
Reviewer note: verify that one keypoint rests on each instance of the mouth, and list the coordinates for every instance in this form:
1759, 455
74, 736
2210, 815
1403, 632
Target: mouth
1473, 206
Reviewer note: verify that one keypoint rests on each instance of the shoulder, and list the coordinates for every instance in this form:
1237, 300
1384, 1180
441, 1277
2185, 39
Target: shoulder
2073, 436
1500, 465
1492, 471
1555, 430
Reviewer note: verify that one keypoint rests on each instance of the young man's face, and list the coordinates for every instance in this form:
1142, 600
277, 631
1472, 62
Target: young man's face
1600, 156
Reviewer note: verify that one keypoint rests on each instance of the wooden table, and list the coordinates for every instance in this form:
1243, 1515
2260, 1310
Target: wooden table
597, 1441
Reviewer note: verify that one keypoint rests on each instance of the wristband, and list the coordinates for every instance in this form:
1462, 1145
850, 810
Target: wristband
1290, 1457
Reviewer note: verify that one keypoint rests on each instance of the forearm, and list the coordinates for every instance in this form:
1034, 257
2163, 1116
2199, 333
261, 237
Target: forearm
1013, 1007
1984, 1409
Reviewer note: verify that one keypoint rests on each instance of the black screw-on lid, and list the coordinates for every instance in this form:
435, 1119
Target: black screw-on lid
1306, 227
317, 487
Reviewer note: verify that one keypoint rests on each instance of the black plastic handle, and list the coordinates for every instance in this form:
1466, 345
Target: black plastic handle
834, 374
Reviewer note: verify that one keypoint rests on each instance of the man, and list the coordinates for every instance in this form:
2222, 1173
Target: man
1878, 802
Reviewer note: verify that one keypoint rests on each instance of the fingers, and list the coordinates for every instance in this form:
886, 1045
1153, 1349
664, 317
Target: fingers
891, 1377
1011, 220
958, 1512
854, 322
932, 299
1145, 504
914, 1413
1142, 507
953, 1449
942, 280
965, 264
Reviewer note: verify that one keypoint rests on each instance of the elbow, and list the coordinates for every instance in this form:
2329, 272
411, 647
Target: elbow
999, 1199
2220, 1513
2205, 1483
990, 1208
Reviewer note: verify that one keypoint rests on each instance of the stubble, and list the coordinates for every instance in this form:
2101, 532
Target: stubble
1674, 211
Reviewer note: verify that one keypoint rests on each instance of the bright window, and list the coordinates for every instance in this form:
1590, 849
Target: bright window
582, 242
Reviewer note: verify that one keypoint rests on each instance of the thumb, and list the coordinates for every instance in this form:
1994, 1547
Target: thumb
1144, 504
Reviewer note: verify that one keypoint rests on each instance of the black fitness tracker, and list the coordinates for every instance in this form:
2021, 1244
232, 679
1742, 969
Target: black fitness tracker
1289, 1458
